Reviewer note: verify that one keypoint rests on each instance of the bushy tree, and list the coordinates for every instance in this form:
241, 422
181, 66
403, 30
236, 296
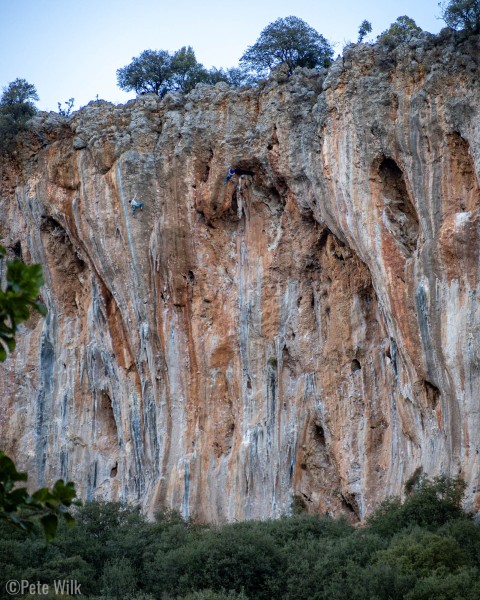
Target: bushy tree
185, 70
364, 29
159, 72
118, 579
431, 504
16, 109
462, 14
147, 73
288, 41
400, 31
19, 92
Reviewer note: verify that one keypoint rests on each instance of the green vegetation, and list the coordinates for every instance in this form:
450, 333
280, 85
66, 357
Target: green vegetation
290, 42
66, 110
400, 31
462, 14
364, 29
16, 109
158, 72
426, 547
19, 508
17, 298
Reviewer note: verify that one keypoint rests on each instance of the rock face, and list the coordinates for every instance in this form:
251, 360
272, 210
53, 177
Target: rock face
306, 333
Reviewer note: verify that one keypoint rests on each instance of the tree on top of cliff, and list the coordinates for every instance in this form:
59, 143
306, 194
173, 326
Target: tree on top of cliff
462, 14
147, 73
159, 72
16, 108
400, 31
288, 41
364, 29
185, 70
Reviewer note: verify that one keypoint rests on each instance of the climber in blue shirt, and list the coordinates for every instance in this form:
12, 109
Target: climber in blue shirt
231, 173
134, 204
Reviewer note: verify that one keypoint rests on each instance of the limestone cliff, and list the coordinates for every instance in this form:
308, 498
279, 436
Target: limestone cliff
307, 332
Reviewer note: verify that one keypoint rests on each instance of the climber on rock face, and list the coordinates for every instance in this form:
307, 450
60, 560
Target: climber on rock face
231, 173
134, 204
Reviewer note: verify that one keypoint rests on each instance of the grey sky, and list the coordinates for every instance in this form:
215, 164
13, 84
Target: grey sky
73, 49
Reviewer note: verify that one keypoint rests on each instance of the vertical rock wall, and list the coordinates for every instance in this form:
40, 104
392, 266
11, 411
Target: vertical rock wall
306, 333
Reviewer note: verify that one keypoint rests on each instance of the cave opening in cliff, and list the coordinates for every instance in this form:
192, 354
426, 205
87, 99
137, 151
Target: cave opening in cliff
356, 366
17, 249
399, 211
319, 433
432, 394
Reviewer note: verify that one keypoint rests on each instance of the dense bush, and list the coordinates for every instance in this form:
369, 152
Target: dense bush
16, 109
400, 31
159, 72
462, 14
423, 548
290, 42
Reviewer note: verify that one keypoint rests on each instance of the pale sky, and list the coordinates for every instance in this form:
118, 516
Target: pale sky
73, 49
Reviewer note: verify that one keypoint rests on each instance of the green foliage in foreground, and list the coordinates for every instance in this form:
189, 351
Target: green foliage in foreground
18, 507
18, 297
425, 548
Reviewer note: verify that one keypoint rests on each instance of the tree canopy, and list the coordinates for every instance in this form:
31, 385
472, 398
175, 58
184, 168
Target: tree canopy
422, 549
16, 108
462, 14
288, 41
399, 31
364, 29
159, 72
148, 72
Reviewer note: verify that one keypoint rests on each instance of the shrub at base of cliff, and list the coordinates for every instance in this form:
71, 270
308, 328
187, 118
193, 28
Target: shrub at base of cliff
421, 549
431, 504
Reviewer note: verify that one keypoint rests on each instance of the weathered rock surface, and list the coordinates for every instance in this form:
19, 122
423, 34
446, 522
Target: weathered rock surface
307, 332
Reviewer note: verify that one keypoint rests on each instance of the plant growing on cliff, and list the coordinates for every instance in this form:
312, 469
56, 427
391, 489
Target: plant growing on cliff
364, 29
288, 41
462, 14
67, 110
159, 72
400, 31
16, 109
147, 73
